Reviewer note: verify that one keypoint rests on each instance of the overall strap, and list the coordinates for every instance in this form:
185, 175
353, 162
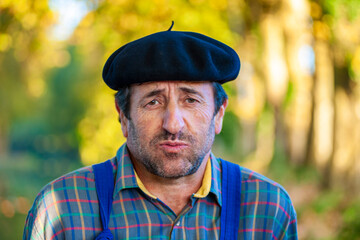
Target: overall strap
231, 197
104, 182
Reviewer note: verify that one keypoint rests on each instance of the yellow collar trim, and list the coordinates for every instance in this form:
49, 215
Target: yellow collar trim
142, 187
206, 183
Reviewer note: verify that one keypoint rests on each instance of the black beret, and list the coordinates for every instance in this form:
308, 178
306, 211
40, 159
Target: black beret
170, 56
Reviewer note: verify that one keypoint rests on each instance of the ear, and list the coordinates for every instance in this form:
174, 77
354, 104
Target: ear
220, 116
123, 120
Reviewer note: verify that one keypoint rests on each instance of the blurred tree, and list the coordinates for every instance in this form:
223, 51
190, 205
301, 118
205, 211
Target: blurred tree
50, 131
24, 53
343, 19
23, 43
275, 84
323, 130
300, 57
336, 130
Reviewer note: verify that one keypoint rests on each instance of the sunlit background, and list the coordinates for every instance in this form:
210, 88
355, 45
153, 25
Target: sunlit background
294, 111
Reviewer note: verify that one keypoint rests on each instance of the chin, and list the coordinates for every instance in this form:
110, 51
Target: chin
174, 175
179, 171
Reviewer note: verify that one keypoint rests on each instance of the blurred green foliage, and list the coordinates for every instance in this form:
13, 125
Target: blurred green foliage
351, 225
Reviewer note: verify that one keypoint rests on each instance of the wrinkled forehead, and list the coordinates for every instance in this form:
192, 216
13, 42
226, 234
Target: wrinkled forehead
204, 89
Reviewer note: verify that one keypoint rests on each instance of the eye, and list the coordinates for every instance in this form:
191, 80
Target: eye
190, 100
153, 102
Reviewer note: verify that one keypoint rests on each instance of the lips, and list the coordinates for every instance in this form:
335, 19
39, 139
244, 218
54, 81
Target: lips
173, 146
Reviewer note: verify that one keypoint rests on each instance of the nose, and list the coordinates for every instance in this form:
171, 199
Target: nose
173, 121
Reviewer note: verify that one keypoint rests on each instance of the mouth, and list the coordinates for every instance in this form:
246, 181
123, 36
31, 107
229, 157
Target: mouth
173, 146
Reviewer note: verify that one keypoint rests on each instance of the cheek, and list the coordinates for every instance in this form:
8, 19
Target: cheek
146, 124
203, 114
198, 120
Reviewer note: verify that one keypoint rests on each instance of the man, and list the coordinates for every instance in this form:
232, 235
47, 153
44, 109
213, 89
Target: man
166, 183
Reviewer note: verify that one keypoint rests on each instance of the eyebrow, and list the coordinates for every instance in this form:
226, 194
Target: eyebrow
153, 93
192, 91
183, 89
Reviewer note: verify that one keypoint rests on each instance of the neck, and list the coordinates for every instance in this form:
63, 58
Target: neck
175, 193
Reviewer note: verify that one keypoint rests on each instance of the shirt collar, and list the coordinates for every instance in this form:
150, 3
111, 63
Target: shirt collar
215, 178
126, 176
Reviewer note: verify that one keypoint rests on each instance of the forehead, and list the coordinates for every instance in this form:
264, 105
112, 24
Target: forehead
203, 88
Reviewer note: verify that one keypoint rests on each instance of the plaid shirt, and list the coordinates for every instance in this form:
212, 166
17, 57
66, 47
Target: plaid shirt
67, 208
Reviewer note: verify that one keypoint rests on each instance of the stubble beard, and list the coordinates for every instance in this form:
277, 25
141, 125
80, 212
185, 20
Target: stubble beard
154, 160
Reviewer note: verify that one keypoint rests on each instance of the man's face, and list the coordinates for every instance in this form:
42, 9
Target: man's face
172, 126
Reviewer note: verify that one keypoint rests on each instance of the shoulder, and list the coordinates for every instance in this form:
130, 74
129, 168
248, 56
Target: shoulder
268, 204
251, 179
256, 189
63, 188
266, 193
57, 199
66, 184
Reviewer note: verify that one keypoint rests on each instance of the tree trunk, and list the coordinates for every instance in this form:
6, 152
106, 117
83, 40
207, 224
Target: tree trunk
300, 58
323, 130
